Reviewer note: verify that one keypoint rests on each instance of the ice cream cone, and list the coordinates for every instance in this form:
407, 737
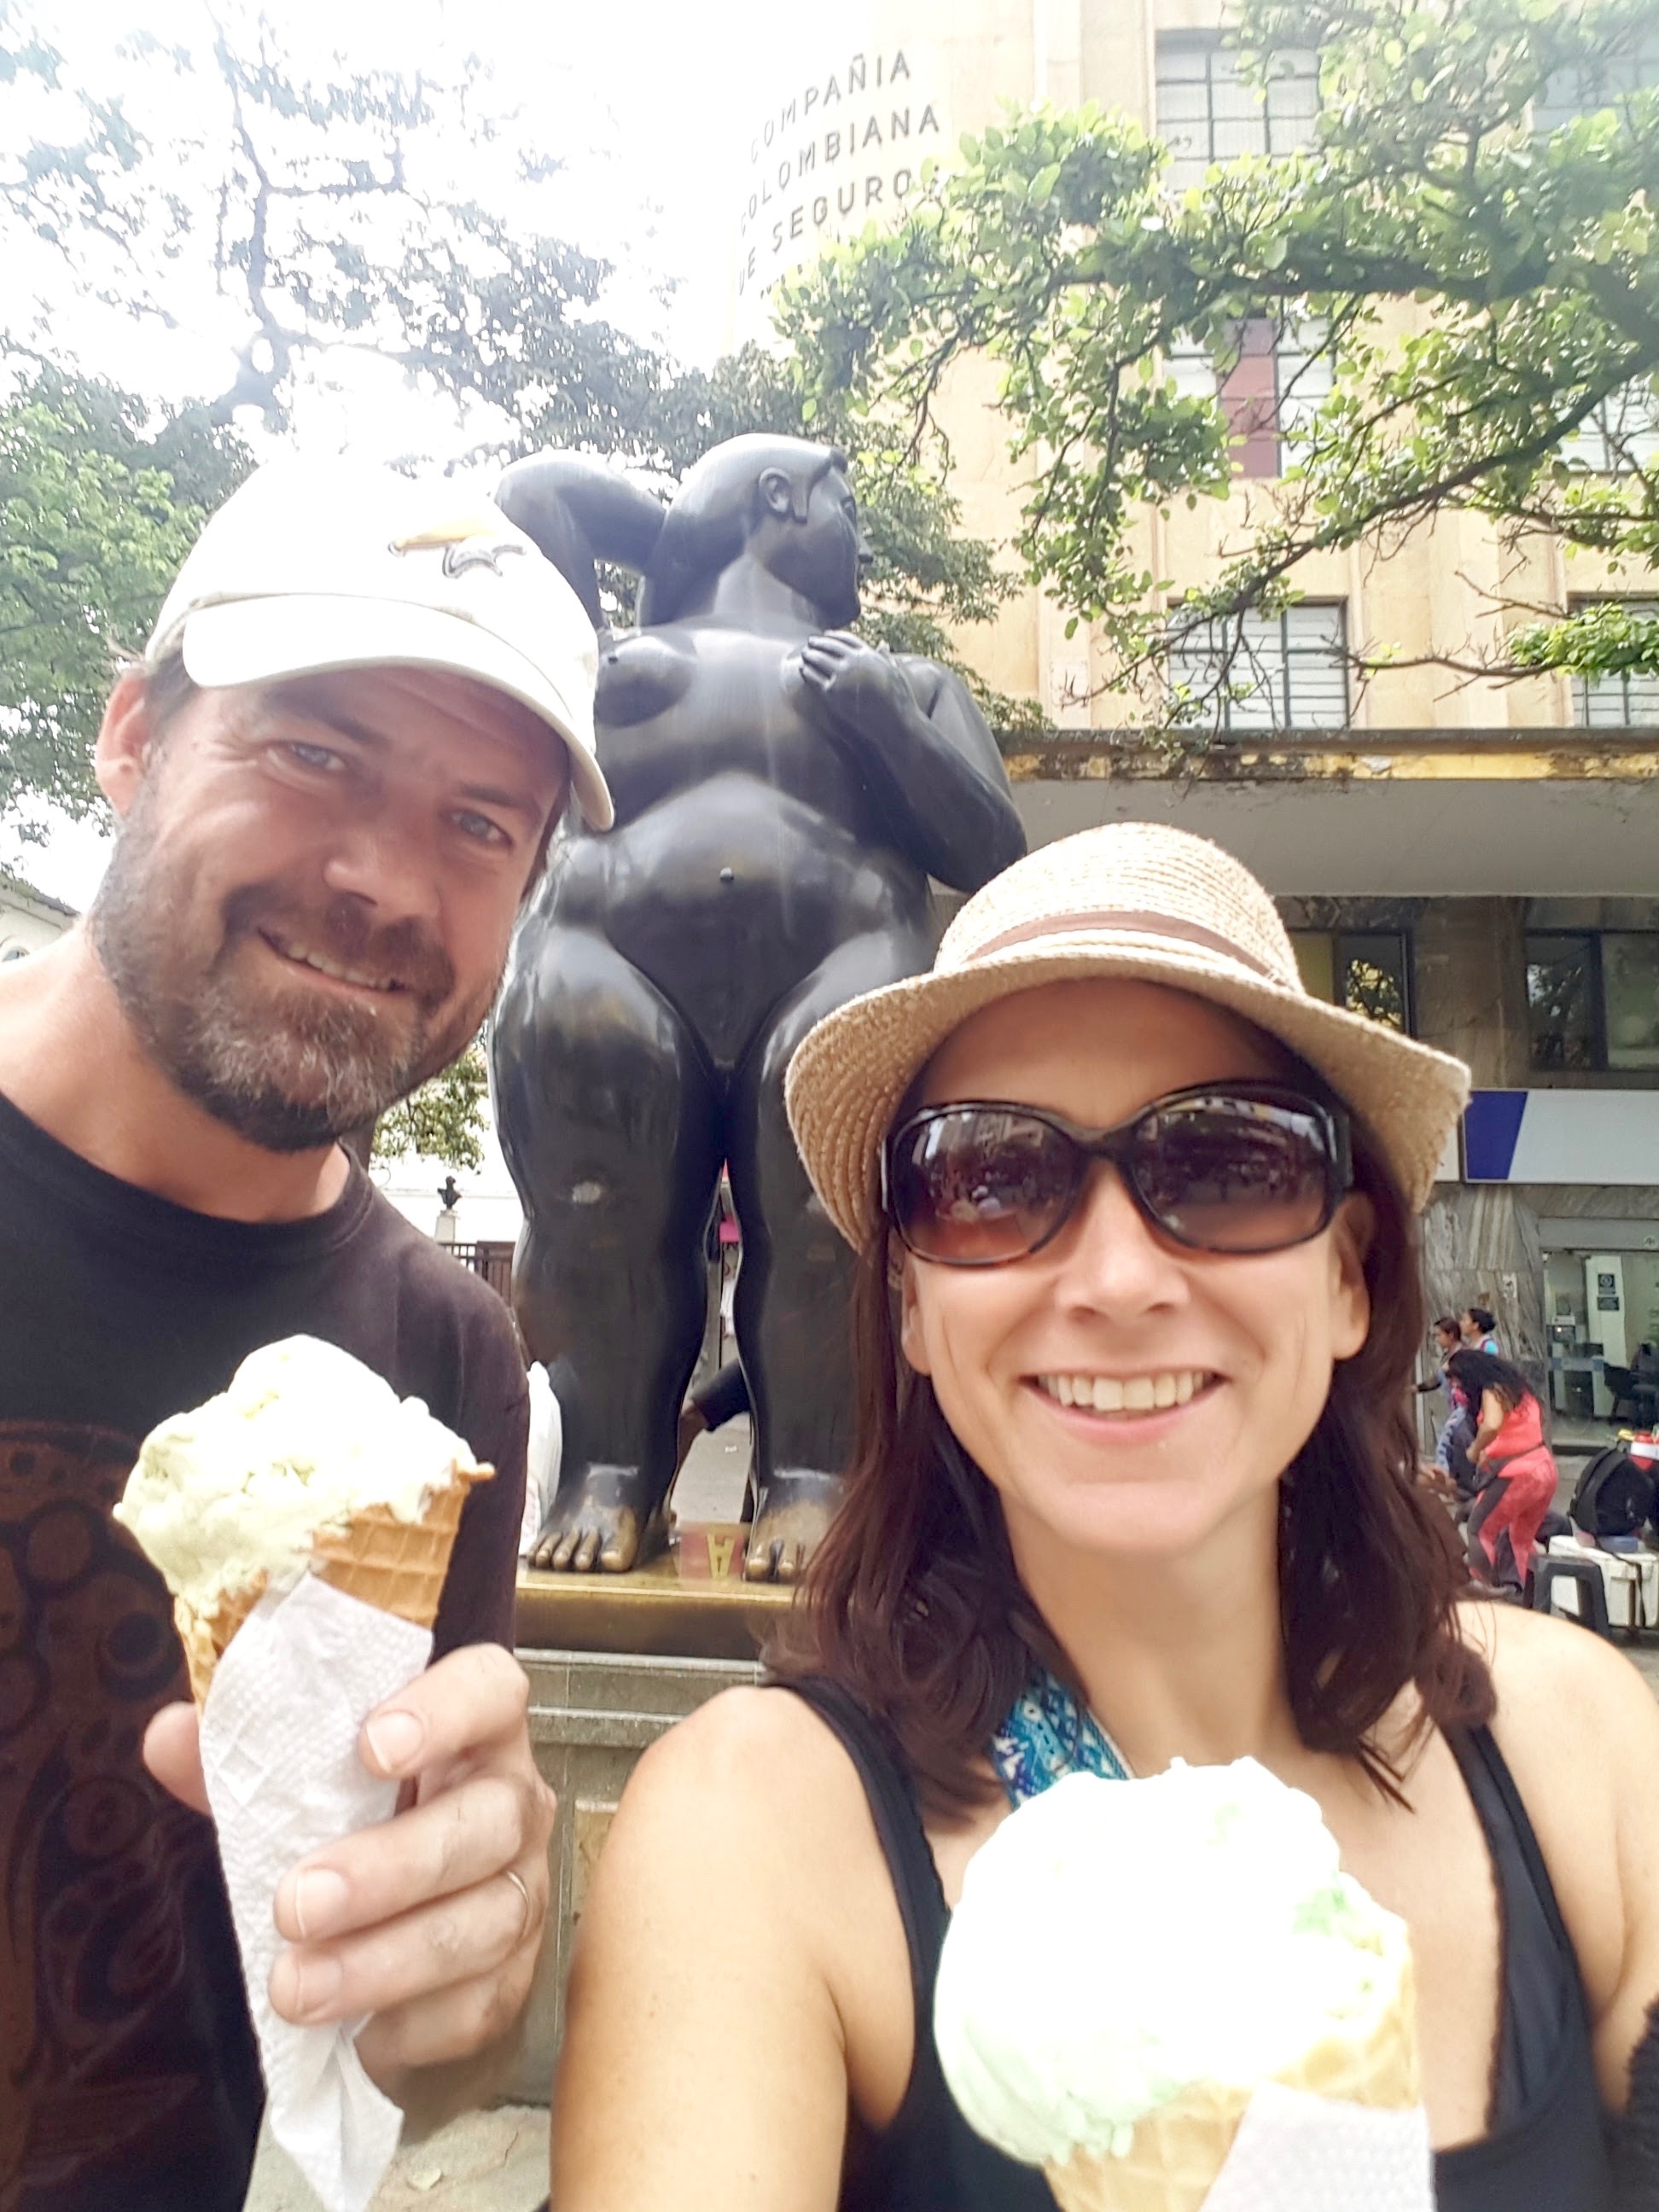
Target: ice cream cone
1177, 2152
397, 1565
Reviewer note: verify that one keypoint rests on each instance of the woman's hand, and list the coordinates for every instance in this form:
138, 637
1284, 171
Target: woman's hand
431, 1922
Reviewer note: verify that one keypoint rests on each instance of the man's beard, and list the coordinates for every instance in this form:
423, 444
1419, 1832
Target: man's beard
290, 1072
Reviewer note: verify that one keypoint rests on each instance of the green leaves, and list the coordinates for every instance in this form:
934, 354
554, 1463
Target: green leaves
1609, 640
1483, 255
444, 1119
99, 500
324, 217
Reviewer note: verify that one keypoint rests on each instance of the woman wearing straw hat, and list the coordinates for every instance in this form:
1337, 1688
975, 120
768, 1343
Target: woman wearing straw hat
1134, 1481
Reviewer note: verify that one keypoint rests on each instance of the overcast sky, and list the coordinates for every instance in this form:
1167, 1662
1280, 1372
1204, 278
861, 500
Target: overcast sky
647, 105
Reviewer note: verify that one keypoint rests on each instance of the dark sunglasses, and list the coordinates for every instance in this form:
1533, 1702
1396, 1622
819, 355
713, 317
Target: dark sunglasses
1237, 1167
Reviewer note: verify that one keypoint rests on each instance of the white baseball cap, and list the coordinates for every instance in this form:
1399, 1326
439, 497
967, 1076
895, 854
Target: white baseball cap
309, 567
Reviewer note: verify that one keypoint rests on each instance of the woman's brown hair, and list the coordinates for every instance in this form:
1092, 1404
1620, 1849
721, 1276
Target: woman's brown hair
1477, 1372
912, 1602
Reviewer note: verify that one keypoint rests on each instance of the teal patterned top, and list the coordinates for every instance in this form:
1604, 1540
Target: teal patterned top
1047, 1736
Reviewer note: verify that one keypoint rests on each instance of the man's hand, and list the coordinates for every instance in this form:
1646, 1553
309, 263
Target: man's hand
863, 689
431, 1922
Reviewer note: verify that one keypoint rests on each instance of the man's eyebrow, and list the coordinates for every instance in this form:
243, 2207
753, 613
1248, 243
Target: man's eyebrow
489, 794
315, 704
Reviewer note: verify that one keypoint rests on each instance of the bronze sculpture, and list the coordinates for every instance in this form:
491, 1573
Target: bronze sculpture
783, 792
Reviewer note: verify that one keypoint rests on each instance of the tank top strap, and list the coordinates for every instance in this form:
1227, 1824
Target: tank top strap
1546, 2147
928, 2160
893, 1807
1477, 1753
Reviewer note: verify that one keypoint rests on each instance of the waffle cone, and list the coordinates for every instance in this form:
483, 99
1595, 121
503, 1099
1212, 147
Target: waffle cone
397, 1565
1177, 2152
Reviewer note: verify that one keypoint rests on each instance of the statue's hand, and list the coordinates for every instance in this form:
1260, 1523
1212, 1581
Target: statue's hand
863, 689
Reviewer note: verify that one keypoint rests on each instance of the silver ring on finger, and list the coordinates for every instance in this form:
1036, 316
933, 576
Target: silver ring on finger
518, 1883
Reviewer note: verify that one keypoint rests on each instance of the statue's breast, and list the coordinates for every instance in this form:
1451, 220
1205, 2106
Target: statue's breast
642, 675
680, 707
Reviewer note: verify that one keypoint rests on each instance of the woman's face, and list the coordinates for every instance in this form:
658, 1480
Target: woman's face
1253, 1339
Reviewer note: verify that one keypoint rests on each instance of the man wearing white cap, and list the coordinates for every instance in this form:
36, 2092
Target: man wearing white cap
366, 702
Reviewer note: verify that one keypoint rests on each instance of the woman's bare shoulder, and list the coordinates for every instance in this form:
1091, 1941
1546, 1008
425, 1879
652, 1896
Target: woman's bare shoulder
1537, 1658
750, 1766
1570, 1705
719, 1968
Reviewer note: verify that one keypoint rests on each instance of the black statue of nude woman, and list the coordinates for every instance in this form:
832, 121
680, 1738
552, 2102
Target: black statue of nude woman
783, 792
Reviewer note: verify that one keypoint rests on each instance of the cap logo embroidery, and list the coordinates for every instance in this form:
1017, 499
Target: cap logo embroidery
469, 542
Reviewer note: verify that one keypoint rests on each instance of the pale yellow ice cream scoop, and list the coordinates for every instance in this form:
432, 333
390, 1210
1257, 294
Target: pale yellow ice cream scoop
1131, 1960
307, 1463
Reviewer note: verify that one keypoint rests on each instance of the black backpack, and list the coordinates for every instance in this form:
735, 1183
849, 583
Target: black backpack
1614, 1496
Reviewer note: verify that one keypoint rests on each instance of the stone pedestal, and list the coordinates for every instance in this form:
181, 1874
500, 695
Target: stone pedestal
614, 1661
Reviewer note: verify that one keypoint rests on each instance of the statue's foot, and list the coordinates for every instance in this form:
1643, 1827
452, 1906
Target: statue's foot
606, 1520
791, 1515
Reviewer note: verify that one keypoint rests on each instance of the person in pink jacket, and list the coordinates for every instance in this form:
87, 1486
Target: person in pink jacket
1515, 1467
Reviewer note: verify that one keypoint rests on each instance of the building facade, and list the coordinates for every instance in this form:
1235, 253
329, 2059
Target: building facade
29, 919
1477, 861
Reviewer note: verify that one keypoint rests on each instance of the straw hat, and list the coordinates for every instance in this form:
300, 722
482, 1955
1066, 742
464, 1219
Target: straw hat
1131, 899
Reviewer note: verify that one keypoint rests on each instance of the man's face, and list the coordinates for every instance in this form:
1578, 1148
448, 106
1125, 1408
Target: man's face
309, 905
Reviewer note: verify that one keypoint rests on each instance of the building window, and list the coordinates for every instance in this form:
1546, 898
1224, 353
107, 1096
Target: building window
1593, 997
1621, 702
1572, 93
1366, 971
1208, 113
1630, 997
1619, 438
1287, 671
1562, 989
1271, 382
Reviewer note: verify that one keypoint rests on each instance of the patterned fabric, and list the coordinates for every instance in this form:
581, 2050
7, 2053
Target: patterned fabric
1048, 1736
128, 2075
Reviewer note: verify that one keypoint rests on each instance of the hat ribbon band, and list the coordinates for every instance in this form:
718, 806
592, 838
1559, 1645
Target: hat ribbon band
1145, 924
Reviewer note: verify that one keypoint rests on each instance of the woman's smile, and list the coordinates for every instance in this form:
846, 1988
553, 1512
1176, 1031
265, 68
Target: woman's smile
1139, 1408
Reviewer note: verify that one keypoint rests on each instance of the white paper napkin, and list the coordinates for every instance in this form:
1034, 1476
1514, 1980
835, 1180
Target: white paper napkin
1298, 2153
279, 1751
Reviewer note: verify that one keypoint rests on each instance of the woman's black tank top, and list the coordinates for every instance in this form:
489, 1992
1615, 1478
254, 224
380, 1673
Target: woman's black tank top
1547, 2149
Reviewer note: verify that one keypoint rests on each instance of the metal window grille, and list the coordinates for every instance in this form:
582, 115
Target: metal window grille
1289, 670
1563, 1000
1303, 372
1593, 997
1620, 701
1572, 93
1271, 387
1208, 113
1622, 435
1369, 971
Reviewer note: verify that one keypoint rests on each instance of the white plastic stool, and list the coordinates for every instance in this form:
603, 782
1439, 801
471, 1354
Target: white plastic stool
1630, 1578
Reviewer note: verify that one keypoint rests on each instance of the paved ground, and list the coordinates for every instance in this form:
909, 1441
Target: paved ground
710, 1485
488, 2162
